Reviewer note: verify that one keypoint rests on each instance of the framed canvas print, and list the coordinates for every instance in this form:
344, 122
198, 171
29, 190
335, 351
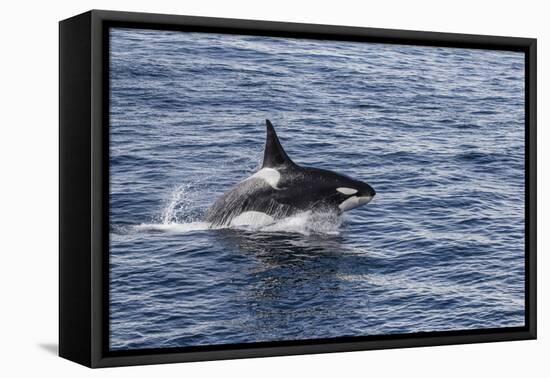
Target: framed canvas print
234, 188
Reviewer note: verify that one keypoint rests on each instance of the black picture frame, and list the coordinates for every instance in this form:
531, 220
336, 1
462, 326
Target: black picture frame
84, 188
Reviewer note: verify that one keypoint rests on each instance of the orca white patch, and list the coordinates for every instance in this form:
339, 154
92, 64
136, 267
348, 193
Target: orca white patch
347, 191
353, 202
252, 218
269, 175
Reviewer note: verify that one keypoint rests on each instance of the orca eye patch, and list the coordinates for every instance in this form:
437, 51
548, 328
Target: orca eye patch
347, 191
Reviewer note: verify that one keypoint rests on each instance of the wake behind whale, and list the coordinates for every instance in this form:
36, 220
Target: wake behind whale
283, 189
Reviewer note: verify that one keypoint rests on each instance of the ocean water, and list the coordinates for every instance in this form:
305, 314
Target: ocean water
438, 132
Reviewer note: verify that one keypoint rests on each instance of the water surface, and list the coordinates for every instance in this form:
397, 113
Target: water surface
438, 132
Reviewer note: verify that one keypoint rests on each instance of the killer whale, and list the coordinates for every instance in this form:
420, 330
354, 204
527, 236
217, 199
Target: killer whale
282, 188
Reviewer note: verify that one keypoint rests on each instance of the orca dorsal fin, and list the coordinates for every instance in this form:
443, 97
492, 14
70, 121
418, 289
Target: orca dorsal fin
274, 155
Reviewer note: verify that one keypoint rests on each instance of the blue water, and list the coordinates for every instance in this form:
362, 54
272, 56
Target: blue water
438, 132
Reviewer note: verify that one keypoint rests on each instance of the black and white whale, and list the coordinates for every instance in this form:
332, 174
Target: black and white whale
282, 188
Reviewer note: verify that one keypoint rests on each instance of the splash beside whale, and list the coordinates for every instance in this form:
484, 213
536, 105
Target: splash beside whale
282, 188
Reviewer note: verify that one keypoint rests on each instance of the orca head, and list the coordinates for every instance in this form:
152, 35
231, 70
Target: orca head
352, 193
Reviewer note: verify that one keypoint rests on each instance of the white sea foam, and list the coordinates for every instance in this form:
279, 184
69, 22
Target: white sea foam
173, 228
303, 223
306, 223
